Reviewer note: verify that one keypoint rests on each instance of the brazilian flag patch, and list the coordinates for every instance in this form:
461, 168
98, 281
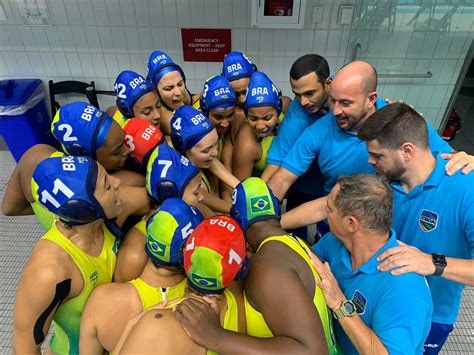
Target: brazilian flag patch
260, 204
202, 281
159, 249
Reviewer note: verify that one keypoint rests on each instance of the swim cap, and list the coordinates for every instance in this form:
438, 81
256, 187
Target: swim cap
129, 88
168, 229
188, 127
236, 66
159, 64
168, 173
215, 255
253, 201
81, 128
217, 93
141, 137
65, 186
261, 92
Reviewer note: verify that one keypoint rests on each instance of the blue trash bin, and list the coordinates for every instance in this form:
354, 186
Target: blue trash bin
24, 120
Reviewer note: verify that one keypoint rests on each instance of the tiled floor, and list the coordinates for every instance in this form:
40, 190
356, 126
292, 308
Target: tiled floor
18, 234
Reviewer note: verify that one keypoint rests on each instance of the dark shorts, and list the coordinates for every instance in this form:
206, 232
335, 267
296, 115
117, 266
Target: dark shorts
437, 337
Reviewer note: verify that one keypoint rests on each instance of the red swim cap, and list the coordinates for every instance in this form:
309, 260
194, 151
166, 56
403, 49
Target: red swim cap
215, 255
141, 137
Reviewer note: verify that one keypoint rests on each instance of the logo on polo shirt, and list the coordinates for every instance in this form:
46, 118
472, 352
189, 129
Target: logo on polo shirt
360, 301
428, 220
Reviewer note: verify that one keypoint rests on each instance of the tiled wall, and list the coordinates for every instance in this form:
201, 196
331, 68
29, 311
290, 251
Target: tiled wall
96, 39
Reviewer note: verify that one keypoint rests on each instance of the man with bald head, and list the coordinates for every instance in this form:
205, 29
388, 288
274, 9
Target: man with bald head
333, 140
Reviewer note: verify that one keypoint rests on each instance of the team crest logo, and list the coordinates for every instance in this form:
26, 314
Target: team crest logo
93, 278
428, 220
259, 204
205, 282
360, 301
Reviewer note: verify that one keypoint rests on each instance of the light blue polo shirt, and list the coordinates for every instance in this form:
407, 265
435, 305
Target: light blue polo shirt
295, 122
297, 119
397, 308
339, 152
438, 217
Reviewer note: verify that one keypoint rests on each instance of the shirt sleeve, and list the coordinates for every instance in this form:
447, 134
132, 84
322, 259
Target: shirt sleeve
437, 144
294, 123
402, 320
305, 150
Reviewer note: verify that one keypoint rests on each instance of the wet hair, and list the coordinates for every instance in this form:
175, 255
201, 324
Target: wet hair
394, 125
308, 64
368, 198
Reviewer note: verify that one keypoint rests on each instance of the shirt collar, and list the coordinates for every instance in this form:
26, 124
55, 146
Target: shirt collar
435, 178
370, 267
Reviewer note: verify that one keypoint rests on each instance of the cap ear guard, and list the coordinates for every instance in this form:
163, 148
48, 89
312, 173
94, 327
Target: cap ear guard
78, 211
122, 107
166, 189
203, 107
177, 140
243, 270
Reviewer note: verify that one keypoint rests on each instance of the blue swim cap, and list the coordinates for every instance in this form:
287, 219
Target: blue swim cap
236, 66
65, 186
168, 173
262, 92
217, 93
159, 64
253, 201
168, 229
81, 128
129, 88
188, 127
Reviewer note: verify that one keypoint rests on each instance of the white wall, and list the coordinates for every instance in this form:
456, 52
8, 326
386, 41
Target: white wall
96, 39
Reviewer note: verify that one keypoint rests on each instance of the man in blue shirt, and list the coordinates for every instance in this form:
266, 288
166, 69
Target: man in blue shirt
310, 81
332, 140
433, 212
376, 312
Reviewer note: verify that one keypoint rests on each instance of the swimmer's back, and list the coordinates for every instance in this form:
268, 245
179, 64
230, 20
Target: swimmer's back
157, 332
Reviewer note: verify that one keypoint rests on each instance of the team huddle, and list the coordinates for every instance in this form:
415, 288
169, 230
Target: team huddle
164, 230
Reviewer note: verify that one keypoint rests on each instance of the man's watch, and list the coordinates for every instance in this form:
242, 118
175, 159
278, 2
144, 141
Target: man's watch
346, 309
439, 261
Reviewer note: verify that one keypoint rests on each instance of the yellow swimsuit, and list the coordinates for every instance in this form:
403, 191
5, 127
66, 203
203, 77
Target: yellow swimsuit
151, 296
256, 325
95, 270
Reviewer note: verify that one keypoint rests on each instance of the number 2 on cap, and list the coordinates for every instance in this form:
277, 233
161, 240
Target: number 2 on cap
67, 135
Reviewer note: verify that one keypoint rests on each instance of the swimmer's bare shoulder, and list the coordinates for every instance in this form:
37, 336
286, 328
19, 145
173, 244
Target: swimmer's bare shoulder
157, 332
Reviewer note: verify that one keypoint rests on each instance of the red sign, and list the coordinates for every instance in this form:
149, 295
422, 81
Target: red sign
205, 45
